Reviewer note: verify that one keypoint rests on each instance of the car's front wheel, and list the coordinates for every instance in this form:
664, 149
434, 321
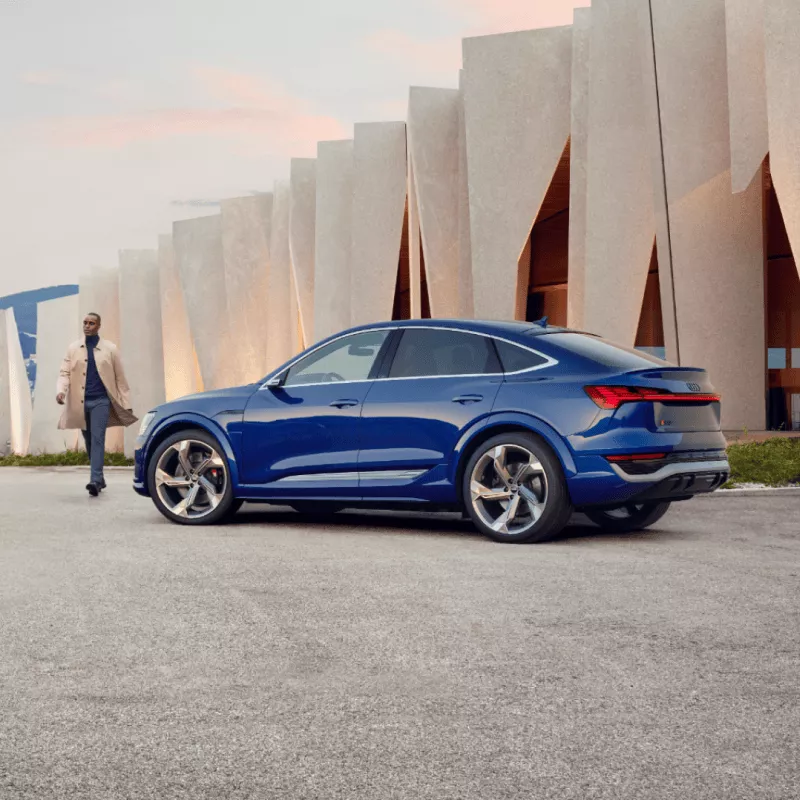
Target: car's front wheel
514, 489
190, 480
631, 517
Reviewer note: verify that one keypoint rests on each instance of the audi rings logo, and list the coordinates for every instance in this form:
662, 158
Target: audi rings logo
693, 387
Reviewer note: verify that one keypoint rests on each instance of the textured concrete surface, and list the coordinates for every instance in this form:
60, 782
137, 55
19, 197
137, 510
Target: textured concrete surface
141, 342
246, 227
20, 403
280, 313
782, 31
392, 656
466, 300
578, 155
302, 223
181, 371
333, 234
434, 125
379, 201
56, 328
517, 115
198, 255
619, 232
747, 89
716, 237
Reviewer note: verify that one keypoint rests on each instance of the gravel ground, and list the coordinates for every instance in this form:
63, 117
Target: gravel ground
392, 656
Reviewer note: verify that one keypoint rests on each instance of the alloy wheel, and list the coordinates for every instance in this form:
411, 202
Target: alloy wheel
508, 489
191, 479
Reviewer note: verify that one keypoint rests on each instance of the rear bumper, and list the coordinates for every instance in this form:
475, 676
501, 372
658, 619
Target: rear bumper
679, 480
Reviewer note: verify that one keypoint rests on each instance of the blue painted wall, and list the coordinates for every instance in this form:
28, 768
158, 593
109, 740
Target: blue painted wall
24, 305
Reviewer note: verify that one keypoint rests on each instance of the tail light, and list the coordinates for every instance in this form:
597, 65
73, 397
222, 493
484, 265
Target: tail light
637, 457
612, 397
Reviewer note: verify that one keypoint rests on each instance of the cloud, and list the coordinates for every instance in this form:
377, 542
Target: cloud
436, 55
46, 77
253, 109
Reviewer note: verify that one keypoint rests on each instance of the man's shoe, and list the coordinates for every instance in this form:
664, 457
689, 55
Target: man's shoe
93, 489
102, 484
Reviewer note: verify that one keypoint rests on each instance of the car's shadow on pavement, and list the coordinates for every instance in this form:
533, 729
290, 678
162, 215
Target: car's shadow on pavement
392, 522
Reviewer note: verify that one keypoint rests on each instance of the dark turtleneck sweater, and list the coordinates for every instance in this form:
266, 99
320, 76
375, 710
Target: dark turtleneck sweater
94, 384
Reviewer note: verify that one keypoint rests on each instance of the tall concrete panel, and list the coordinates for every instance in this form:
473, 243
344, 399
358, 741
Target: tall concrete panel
280, 323
692, 68
181, 372
87, 298
715, 237
466, 302
379, 200
517, 116
198, 255
783, 93
302, 224
19, 389
55, 329
141, 342
5, 388
747, 89
717, 241
246, 229
434, 119
620, 219
578, 157
333, 236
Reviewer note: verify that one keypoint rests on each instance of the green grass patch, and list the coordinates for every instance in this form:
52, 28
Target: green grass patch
71, 458
775, 462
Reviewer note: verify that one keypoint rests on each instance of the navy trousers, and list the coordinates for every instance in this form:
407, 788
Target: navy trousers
96, 411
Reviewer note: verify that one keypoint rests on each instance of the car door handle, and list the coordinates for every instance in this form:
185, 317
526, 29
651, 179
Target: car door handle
468, 398
344, 403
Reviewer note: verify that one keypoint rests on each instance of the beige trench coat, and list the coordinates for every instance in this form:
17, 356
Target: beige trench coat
72, 383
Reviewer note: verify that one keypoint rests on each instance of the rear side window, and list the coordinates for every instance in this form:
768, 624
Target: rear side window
517, 359
427, 352
604, 352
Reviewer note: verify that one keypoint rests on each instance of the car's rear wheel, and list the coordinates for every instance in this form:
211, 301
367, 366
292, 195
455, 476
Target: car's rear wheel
630, 517
190, 480
514, 489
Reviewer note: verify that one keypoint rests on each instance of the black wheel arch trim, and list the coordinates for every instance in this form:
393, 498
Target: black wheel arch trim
518, 422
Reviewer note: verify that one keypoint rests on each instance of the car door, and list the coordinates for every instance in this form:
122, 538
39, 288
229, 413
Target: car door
439, 382
302, 436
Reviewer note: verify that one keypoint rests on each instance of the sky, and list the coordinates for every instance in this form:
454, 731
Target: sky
118, 117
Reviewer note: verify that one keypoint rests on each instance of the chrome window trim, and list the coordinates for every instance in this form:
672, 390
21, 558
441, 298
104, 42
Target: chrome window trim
549, 360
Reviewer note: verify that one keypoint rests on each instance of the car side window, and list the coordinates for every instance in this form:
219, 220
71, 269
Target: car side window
517, 359
350, 358
429, 352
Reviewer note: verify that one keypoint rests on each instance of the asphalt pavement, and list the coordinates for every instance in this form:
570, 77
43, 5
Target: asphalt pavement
392, 656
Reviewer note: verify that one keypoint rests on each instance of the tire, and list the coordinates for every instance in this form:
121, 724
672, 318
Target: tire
314, 507
531, 483
632, 517
191, 463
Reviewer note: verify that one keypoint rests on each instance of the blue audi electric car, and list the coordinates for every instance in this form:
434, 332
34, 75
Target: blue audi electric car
515, 423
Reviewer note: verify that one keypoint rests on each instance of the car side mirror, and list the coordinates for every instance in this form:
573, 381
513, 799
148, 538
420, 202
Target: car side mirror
275, 383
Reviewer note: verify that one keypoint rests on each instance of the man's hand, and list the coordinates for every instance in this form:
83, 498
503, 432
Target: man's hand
60, 398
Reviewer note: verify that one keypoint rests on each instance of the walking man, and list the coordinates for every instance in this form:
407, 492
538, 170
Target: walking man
94, 391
